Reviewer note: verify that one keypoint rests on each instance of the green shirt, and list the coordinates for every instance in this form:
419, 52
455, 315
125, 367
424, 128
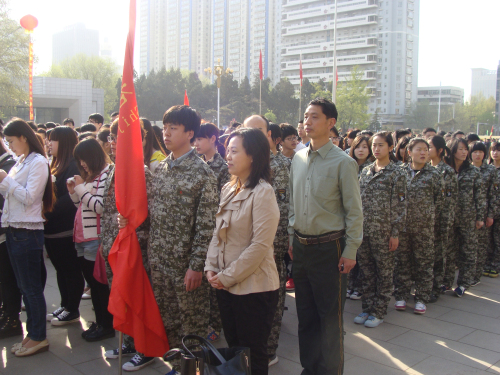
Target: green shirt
325, 197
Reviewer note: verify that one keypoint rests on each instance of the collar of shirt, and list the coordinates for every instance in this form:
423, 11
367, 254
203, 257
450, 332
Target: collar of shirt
323, 151
176, 162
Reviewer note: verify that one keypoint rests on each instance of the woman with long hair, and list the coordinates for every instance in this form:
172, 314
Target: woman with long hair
102, 138
153, 151
400, 152
493, 263
478, 155
361, 152
469, 218
335, 137
58, 229
240, 263
424, 202
28, 194
87, 190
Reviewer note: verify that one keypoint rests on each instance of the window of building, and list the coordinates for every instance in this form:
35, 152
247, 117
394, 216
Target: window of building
396, 111
397, 102
379, 101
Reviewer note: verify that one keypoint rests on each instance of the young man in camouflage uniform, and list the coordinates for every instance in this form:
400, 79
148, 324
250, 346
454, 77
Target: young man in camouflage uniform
280, 173
182, 209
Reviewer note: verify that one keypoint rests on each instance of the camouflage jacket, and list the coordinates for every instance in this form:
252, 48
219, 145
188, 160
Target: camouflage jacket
280, 176
362, 166
219, 166
424, 193
383, 195
109, 223
471, 200
491, 189
182, 209
450, 193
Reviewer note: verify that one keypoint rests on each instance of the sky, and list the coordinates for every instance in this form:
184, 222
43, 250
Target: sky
455, 35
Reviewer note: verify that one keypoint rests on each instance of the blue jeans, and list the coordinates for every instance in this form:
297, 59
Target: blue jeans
25, 251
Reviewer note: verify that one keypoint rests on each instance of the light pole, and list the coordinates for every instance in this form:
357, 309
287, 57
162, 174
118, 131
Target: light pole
218, 71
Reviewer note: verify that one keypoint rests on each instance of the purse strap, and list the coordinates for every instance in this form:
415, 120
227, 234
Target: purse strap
205, 343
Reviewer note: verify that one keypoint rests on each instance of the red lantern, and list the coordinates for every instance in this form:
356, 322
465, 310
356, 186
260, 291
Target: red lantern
29, 22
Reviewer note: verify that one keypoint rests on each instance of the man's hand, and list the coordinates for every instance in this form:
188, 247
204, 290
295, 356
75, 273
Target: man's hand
122, 221
290, 251
479, 224
346, 265
393, 243
192, 280
489, 222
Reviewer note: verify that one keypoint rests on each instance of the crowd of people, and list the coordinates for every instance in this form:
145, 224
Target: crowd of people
237, 218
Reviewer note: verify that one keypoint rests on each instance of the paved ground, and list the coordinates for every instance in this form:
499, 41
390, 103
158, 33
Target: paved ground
455, 337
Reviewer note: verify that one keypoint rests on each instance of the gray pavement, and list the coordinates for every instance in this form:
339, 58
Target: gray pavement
455, 337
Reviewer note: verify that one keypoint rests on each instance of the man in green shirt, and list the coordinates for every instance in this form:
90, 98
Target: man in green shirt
326, 229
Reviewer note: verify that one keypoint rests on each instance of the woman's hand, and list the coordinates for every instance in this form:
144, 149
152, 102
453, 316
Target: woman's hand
393, 243
214, 281
78, 180
122, 221
479, 224
70, 183
489, 222
3, 174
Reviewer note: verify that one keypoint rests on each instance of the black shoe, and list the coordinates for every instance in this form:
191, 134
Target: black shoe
137, 362
11, 327
66, 317
434, 298
91, 329
100, 333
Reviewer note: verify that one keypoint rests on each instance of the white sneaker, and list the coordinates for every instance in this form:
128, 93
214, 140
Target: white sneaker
420, 308
400, 305
356, 295
86, 295
361, 318
373, 322
54, 314
273, 360
348, 293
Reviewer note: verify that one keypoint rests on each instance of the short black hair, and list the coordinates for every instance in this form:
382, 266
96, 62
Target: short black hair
301, 121
328, 108
401, 133
88, 128
454, 135
31, 124
426, 130
114, 114
183, 115
472, 137
97, 117
42, 126
288, 130
441, 133
275, 131
477, 146
68, 120
86, 135
50, 125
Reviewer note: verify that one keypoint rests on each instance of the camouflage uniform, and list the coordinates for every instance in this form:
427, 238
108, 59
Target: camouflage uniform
280, 176
110, 229
484, 239
493, 261
415, 257
383, 194
182, 209
354, 278
219, 166
471, 205
444, 226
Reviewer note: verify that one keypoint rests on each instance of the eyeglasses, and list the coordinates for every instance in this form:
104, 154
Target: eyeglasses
336, 138
291, 139
111, 138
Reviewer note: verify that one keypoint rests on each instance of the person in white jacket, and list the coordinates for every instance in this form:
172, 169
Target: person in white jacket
27, 190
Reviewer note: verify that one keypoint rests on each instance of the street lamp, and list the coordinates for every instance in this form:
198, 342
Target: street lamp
218, 71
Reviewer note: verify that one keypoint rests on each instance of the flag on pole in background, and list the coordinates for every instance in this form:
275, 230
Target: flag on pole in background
186, 99
492, 129
300, 69
132, 302
260, 66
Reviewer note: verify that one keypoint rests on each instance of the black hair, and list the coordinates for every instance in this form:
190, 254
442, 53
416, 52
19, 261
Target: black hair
450, 160
335, 131
387, 136
50, 125
276, 132
369, 133
68, 120
329, 109
268, 124
477, 146
353, 133
401, 133
454, 135
209, 130
426, 130
301, 121
42, 131
357, 141
97, 117
402, 144
495, 145
42, 126
103, 135
91, 152
414, 141
114, 114
67, 139
472, 137
88, 128
31, 124
159, 142
86, 135
183, 115
256, 145
441, 133
287, 130
440, 144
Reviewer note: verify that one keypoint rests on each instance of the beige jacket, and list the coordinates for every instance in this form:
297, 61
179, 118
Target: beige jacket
241, 250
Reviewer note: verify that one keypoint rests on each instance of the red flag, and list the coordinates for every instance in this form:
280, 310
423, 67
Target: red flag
186, 99
300, 67
132, 301
260, 66
492, 129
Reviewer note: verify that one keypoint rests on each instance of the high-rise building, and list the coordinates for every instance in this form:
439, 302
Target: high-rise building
447, 95
484, 82
153, 35
380, 37
73, 40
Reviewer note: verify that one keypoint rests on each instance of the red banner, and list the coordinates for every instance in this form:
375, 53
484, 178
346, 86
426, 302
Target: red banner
186, 99
132, 301
260, 66
31, 81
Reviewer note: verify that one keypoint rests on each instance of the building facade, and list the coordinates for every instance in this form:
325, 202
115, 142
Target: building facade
449, 95
484, 82
73, 40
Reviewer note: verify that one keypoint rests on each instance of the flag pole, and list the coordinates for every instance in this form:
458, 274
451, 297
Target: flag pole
300, 92
120, 343
334, 79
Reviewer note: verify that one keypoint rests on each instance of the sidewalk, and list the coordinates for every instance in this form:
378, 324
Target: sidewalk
455, 337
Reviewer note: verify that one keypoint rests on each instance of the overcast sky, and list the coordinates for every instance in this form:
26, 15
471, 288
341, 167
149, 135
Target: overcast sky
455, 35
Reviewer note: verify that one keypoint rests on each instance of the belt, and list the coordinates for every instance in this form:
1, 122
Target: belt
314, 240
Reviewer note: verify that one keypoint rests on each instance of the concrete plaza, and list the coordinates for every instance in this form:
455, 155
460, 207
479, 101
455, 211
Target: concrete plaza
455, 337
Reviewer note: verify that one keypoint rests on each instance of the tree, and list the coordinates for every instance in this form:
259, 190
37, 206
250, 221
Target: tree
284, 103
422, 115
308, 91
102, 71
352, 102
271, 116
14, 60
375, 125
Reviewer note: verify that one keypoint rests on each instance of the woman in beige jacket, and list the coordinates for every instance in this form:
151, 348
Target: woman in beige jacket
240, 263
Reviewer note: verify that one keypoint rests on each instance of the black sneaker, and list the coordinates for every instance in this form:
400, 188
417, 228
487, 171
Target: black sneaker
66, 317
100, 333
127, 351
434, 298
137, 362
11, 327
92, 328
54, 314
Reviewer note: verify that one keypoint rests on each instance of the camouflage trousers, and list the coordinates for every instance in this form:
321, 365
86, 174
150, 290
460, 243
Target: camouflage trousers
355, 278
376, 263
182, 312
442, 247
272, 342
493, 261
463, 255
484, 245
414, 261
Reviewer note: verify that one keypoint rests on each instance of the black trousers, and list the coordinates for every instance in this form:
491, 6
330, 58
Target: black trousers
319, 294
100, 294
247, 321
63, 256
11, 295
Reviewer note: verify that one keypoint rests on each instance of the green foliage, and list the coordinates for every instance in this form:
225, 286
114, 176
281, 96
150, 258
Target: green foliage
102, 71
352, 102
271, 116
375, 125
